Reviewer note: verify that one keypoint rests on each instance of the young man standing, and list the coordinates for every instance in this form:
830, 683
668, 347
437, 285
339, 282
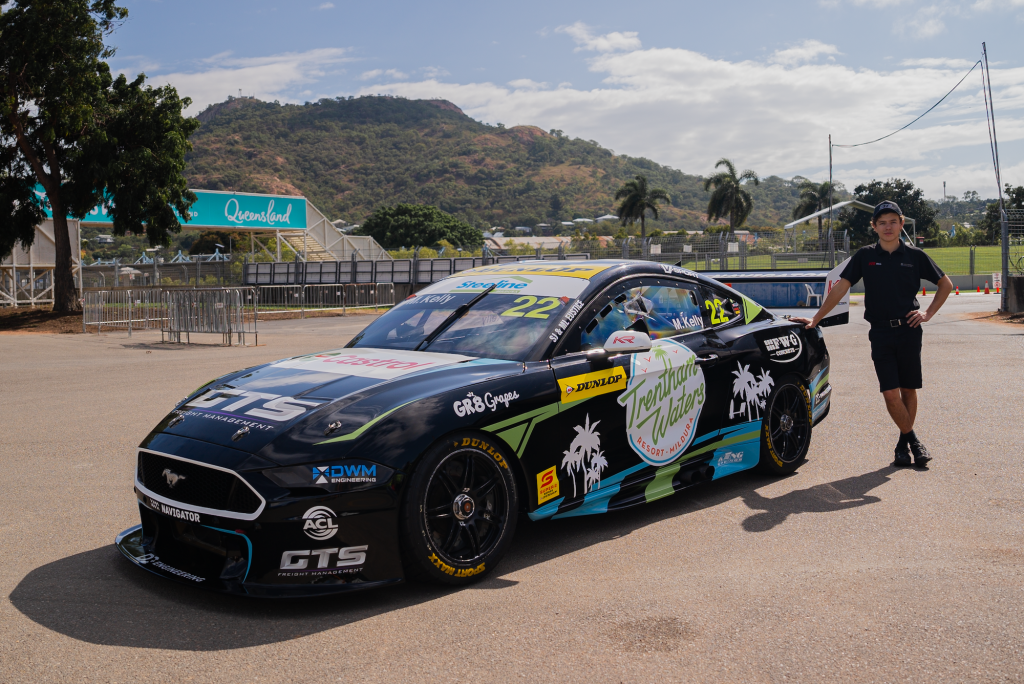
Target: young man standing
892, 272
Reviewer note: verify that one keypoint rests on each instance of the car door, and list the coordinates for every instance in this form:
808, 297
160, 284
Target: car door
746, 380
621, 418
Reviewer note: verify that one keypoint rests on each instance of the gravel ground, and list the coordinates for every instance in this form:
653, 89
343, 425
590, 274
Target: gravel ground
849, 570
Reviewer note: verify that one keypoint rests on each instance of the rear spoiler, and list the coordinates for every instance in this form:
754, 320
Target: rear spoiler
789, 293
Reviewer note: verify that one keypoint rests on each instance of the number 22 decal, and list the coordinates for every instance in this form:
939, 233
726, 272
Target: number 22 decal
547, 304
717, 312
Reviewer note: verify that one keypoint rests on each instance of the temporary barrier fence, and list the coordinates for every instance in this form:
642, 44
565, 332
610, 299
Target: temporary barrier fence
124, 309
220, 311
324, 297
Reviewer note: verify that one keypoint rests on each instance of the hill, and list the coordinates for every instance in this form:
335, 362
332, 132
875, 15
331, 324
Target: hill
349, 156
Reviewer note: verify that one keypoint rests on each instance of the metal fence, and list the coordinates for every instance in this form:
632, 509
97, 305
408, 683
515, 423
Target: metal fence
124, 309
223, 311
325, 297
399, 271
227, 311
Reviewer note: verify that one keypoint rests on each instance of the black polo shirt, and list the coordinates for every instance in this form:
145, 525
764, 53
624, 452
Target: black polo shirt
890, 280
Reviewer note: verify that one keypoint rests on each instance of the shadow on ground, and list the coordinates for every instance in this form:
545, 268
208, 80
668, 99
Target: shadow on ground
100, 598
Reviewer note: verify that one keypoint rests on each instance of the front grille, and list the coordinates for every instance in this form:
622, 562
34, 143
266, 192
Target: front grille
197, 485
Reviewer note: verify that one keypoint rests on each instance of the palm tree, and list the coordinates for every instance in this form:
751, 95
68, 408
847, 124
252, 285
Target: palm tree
813, 197
571, 463
588, 440
729, 198
637, 200
745, 386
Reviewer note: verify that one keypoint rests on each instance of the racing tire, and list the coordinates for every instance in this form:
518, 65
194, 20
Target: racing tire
786, 427
459, 511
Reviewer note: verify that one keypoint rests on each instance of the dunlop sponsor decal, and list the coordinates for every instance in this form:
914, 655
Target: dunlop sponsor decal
484, 446
579, 387
455, 572
547, 485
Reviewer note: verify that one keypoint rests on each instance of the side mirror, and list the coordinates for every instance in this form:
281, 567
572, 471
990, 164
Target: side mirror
627, 342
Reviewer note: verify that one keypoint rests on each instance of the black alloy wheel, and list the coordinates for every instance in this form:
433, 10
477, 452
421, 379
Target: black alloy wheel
460, 511
786, 432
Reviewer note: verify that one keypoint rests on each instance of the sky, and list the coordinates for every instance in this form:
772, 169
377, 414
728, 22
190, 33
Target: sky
680, 83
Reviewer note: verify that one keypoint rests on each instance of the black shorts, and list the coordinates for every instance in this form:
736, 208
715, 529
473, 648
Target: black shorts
897, 356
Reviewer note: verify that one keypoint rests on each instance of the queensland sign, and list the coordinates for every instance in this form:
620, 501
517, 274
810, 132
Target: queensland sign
226, 210
663, 401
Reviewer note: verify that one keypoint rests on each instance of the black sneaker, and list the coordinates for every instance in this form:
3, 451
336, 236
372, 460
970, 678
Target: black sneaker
902, 459
921, 455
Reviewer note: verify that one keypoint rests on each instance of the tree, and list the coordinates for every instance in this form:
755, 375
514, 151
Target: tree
902, 192
408, 225
67, 124
991, 224
813, 197
637, 199
729, 198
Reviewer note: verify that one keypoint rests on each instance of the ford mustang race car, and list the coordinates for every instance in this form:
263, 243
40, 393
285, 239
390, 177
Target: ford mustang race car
550, 389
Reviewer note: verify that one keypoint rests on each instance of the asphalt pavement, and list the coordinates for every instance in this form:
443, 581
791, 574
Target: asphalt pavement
848, 570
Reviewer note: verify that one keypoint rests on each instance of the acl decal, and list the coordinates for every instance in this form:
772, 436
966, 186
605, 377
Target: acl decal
547, 485
579, 387
277, 409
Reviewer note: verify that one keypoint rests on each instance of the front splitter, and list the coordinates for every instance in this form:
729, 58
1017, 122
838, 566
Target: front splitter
130, 544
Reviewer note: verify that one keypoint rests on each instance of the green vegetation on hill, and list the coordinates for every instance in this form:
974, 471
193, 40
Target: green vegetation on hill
350, 156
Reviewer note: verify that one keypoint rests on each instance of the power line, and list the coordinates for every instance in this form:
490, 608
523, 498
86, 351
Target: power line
918, 118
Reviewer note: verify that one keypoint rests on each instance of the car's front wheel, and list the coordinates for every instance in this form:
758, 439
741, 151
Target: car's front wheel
459, 510
786, 427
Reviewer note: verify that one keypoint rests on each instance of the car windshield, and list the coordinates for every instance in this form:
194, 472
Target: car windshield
499, 326
502, 325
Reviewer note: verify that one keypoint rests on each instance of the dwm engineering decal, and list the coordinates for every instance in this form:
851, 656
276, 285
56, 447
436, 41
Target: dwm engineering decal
663, 401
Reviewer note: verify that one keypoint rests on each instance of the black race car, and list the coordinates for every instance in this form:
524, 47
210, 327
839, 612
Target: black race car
552, 388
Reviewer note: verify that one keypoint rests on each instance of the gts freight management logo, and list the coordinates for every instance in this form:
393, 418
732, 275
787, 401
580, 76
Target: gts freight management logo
588, 385
275, 407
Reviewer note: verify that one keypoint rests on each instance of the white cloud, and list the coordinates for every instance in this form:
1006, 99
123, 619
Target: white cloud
928, 21
609, 42
988, 5
527, 84
268, 78
393, 74
326, 6
687, 110
807, 51
938, 63
435, 72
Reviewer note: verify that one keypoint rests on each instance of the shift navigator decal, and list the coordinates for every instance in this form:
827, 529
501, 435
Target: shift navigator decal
579, 387
663, 401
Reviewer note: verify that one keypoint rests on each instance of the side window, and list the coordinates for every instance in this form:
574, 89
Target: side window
721, 307
625, 309
675, 310
659, 309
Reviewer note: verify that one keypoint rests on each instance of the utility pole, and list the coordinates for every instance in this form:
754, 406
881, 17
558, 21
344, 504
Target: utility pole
994, 143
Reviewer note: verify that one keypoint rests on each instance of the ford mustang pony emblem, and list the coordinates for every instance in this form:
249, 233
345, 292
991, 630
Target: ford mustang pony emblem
172, 477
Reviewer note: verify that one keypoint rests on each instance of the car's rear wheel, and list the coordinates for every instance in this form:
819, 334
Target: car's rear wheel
459, 511
786, 427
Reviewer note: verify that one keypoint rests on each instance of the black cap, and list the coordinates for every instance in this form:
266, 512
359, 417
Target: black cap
884, 207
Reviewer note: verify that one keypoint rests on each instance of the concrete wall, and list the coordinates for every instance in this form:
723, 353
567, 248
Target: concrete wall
965, 283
